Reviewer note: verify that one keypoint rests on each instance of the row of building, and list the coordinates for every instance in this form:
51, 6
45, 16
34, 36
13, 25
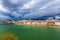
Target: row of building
34, 22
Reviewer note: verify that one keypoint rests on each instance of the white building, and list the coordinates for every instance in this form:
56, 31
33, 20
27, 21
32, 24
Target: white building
57, 23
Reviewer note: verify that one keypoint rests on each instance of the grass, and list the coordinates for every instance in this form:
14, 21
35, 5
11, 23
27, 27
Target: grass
31, 32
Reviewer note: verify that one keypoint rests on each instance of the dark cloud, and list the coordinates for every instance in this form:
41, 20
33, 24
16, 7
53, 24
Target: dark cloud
29, 9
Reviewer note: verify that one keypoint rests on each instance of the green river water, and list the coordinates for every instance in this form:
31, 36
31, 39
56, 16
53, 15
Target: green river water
31, 32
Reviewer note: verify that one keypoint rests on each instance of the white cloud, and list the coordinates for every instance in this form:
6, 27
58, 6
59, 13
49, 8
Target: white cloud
50, 18
0, 1
4, 17
53, 3
14, 1
15, 14
49, 9
3, 9
30, 4
37, 8
57, 17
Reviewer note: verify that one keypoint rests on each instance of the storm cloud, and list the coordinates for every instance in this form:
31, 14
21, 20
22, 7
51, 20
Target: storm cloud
29, 9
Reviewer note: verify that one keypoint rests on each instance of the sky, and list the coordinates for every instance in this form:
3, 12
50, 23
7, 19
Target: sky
29, 9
